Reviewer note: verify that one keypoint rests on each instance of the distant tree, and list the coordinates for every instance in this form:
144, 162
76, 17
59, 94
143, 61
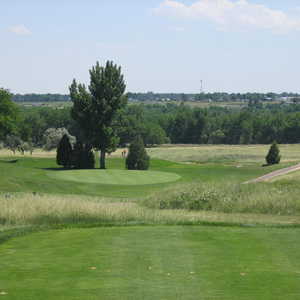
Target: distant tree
153, 134
273, 156
137, 158
64, 152
8, 114
27, 146
14, 143
95, 109
216, 137
183, 97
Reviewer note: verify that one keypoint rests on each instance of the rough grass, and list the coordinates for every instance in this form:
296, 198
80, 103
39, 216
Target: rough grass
259, 198
200, 153
161, 262
293, 177
18, 209
236, 154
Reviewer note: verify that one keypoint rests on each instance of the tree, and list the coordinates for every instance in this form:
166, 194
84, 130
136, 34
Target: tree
14, 143
94, 109
153, 134
52, 137
216, 137
64, 152
137, 158
8, 114
27, 146
273, 156
83, 156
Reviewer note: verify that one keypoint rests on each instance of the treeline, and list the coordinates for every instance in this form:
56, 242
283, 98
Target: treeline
40, 98
158, 124
179, 97
214, 97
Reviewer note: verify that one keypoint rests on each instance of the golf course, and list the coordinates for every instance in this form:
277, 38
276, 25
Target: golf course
183, 229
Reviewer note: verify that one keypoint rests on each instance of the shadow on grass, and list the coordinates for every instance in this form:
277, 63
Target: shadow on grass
55, 169
62, 169
9, 161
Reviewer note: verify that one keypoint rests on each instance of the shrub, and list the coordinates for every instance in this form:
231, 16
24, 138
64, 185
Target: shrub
83, 156
137, 158
64, 152
273, 156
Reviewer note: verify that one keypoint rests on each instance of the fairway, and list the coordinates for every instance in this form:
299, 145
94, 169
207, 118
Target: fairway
162, 262
115, 177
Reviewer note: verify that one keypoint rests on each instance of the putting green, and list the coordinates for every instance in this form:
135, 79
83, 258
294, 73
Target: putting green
116, 177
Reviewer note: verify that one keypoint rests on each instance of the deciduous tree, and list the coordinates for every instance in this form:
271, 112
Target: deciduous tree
8, 114
94, 109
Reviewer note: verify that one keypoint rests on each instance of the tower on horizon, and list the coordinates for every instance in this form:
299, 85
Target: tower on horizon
201, 86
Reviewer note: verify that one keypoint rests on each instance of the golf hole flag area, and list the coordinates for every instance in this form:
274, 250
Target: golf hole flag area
115, 177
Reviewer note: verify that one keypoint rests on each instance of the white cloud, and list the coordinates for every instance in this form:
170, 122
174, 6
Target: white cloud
20, 30
232, 14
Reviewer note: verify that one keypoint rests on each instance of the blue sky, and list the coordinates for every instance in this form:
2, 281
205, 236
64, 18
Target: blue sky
162, 45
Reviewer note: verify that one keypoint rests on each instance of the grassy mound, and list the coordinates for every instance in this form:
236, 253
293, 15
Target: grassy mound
152, 263
115, 177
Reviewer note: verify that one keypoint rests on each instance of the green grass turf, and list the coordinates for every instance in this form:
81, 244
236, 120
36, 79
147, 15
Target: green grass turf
31, 175
162, 262
115, 177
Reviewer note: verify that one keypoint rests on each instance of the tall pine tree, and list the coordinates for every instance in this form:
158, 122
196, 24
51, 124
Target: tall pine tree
273, 156
137, 158
64, 152
94, 109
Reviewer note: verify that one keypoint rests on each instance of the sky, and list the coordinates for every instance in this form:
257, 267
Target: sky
161, 45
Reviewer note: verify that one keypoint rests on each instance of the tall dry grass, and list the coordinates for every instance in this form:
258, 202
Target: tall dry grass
259, 198
38, 152
28, 209
238, 154
197, 153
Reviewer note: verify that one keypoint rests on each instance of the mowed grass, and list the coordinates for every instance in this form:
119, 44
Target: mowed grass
42, 175
115, 177
161, 262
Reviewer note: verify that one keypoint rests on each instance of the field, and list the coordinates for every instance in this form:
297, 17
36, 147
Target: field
186, 229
